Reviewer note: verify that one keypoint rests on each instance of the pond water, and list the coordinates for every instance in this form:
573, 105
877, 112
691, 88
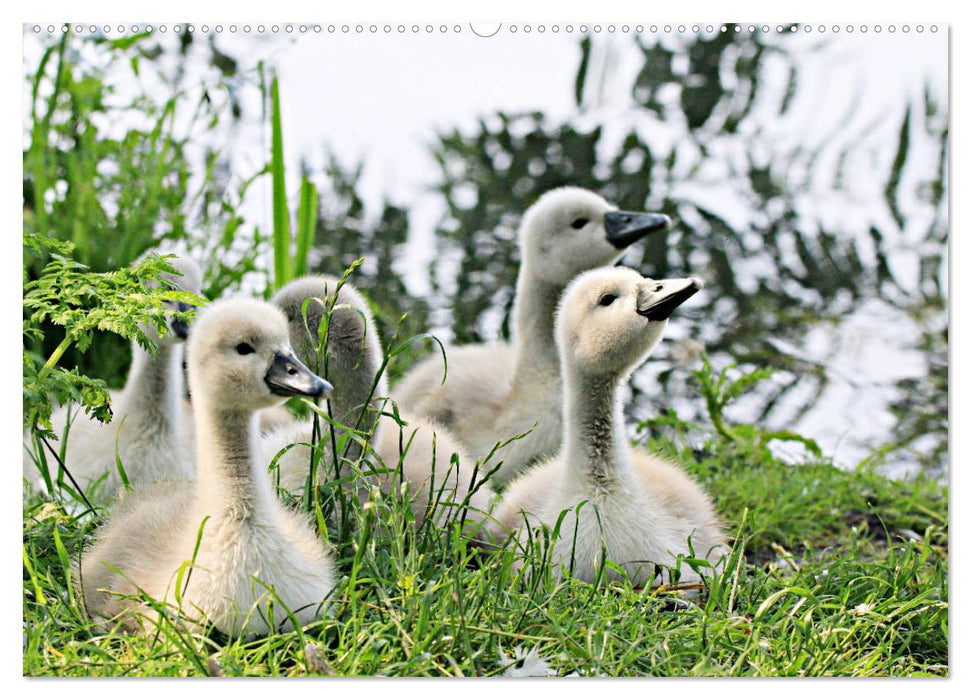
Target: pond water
845, 275
806, 175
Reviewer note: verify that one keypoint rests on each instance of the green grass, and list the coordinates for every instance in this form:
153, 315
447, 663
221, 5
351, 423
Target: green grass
832, 573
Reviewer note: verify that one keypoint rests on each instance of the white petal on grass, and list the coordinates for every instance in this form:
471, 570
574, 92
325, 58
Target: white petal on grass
524, 664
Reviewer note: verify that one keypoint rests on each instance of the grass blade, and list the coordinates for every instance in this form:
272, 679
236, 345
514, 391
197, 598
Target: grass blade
282, 264
306, 223
34, 578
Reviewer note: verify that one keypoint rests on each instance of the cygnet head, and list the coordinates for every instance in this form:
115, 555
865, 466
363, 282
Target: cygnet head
569, 230
351, 331
354, 354
611, 318
240, 357
189, 279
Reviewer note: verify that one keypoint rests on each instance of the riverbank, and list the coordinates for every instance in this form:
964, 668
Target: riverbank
832, 572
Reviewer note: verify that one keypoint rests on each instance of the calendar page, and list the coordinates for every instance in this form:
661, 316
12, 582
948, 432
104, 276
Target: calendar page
437, 348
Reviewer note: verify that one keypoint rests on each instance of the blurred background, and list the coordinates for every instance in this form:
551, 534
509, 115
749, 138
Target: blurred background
805, 171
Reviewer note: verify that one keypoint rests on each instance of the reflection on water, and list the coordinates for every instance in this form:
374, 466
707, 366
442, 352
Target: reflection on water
826, 260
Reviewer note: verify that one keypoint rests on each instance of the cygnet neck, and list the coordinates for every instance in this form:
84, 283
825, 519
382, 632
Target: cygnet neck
533, 313
230, 483
595, 443
151, 398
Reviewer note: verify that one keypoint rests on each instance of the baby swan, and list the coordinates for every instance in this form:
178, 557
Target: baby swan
147, 426
640, 508
494, 392
421, 451
254, 559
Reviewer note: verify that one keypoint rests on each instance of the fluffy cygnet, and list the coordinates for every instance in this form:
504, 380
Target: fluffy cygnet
494, 392
641, 509
245, 559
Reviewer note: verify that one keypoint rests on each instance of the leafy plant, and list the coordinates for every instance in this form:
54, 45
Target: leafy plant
113, 176
719, 390
68, 295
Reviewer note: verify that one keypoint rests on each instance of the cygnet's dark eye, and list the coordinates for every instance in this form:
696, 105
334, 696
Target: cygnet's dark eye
245, 349
608, 299
580, 223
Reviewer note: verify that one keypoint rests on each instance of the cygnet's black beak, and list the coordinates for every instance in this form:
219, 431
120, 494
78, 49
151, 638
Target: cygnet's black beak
657, 299
179, 327
288, 376
626, 227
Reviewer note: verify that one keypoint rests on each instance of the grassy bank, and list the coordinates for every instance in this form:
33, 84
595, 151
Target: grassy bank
832, 572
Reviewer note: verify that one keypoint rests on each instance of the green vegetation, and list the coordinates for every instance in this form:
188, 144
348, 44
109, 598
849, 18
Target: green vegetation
78, 302
287, 262
67, 294
832, 572
114, 193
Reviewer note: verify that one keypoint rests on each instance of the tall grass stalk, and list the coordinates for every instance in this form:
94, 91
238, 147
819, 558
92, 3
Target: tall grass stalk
290, 257
282, 263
